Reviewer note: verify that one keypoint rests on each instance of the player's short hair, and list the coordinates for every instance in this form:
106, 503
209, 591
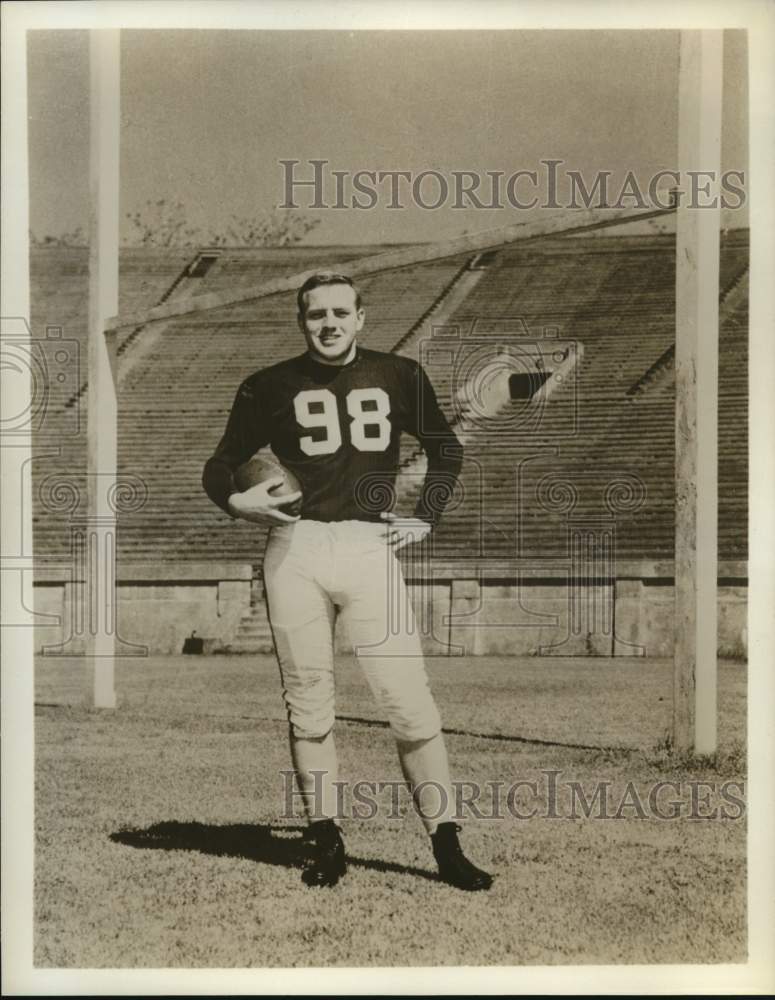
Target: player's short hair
325, 278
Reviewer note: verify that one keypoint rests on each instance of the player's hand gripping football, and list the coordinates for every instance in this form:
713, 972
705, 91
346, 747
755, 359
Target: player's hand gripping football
258, 505
401, 531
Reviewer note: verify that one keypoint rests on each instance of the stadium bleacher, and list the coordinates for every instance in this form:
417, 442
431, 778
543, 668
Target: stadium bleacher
614, 295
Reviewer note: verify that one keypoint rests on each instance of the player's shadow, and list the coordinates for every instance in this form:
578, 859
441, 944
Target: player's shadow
260, 842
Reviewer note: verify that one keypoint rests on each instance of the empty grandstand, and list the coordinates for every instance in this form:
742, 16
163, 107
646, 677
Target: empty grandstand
560, 538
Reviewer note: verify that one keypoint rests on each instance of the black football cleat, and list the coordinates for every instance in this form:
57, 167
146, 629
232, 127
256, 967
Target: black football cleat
329, 864
454, 866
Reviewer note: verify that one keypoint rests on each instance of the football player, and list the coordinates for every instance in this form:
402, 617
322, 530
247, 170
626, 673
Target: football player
333, 416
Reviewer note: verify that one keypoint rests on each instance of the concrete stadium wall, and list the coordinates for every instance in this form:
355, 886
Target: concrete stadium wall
158, 606
617, 618
535, 615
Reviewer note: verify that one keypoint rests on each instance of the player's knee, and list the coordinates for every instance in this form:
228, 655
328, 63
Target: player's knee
414, 734
300, 732
310, 720
405, 699
416, 727
309, 701
417, 744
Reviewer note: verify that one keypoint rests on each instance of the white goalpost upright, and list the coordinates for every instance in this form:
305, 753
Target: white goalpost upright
97, 560
696, 388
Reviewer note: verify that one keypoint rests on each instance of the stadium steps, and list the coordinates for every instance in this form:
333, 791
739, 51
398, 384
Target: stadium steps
449, 299
663, 369
253, 634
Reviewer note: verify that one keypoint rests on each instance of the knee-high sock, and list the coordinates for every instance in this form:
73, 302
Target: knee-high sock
315, 763
426, 768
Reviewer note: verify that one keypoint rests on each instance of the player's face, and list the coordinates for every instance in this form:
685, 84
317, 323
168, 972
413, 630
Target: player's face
330, 323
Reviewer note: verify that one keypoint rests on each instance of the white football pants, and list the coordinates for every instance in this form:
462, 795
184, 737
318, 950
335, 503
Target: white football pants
312, 569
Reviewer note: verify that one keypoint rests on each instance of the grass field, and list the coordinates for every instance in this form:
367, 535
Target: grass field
161, 839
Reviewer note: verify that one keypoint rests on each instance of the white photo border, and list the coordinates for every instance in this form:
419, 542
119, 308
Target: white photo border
758, 975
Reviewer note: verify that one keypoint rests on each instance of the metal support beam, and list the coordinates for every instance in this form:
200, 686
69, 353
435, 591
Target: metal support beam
696, 378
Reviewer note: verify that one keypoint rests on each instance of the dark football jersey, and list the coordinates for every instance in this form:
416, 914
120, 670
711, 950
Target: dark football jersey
338, 429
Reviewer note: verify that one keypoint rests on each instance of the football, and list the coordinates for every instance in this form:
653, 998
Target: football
258, 469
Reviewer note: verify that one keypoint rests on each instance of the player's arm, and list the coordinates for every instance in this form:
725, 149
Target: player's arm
241, 440
442, 448
444, 452
245, 433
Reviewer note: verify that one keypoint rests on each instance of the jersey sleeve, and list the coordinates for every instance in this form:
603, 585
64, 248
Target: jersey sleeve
243, 436
441, 446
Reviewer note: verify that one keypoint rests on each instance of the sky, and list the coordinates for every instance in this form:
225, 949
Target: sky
207, 116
